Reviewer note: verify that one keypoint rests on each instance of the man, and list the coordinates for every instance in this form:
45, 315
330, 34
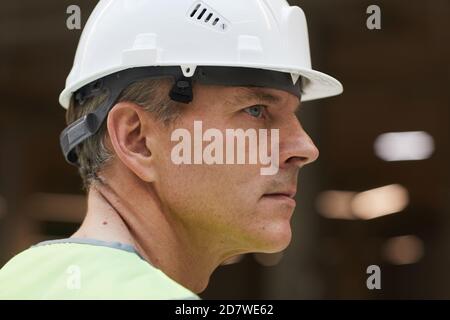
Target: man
164, 211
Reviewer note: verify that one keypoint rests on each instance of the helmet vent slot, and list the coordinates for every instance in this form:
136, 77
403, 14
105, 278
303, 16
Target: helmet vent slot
195, 10
208, 17
202, 13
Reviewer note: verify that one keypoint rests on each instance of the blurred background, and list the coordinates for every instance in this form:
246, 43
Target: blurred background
379, 193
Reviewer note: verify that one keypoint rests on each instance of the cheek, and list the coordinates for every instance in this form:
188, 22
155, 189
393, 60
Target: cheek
226, 192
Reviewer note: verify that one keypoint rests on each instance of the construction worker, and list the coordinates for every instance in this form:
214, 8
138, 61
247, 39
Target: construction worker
157, 227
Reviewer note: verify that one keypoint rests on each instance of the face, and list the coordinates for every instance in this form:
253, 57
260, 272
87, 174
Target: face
234, 204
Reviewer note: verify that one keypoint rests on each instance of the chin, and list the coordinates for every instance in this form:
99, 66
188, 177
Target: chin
275, 237
281, 242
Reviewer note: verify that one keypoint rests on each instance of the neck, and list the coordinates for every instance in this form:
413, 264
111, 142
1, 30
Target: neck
138, 218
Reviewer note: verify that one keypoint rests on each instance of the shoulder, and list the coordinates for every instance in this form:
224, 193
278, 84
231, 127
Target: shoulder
77, 271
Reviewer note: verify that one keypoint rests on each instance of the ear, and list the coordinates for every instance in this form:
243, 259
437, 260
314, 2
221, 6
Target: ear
128, 126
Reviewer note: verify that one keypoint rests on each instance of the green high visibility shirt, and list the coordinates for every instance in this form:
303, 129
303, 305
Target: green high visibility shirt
85, 269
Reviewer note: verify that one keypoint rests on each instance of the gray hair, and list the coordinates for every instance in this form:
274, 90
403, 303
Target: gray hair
93, 155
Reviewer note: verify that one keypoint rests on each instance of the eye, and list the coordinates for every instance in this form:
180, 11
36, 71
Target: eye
255, 111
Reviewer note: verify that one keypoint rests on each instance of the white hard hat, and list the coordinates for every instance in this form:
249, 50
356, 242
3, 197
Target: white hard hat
251, 42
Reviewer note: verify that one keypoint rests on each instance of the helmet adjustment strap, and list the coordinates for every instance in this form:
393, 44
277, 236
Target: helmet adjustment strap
182, 91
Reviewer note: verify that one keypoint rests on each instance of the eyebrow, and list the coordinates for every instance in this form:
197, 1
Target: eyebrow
256, 94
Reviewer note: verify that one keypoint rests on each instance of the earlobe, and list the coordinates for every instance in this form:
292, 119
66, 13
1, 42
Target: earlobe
127, 129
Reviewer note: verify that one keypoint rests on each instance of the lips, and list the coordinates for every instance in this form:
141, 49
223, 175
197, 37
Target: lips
285, 196
281, 198
290, 194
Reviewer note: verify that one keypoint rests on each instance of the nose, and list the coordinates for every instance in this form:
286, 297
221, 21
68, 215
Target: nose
296, 146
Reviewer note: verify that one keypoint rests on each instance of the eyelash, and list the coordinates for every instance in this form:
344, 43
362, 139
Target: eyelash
263, 107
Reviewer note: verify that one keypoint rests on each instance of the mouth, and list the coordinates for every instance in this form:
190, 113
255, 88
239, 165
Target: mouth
286, 196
